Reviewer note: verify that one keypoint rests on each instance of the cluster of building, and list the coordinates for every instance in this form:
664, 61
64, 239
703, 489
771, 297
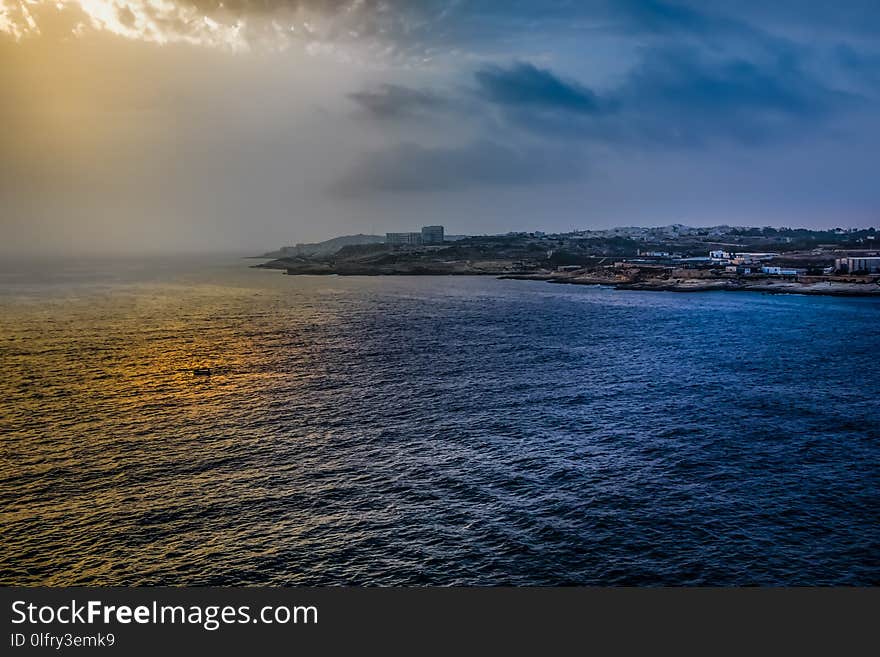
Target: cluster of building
726, 258
746, 263
429, 236
743, 263
867, 265
751, 262
673, 231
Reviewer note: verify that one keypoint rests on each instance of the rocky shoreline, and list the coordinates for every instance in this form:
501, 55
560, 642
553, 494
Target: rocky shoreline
763, 285
571, 262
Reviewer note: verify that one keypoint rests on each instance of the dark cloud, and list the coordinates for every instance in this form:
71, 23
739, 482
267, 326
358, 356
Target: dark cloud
665, 17
394, 101
674, 95
413, 168
858, 64
850, 17
684, 95
685, 78
524, 84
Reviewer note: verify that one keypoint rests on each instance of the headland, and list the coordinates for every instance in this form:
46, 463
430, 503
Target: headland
671, 258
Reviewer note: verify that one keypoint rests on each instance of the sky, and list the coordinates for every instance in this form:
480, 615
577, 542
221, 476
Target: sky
243, 125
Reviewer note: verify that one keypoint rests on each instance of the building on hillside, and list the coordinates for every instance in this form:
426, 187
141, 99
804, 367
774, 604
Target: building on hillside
408, 239
749, 258
432, 235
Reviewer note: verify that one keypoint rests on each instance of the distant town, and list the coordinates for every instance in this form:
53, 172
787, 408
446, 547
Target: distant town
676, 257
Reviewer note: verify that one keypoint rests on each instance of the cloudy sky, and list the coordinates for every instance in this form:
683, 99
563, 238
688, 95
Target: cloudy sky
246, 124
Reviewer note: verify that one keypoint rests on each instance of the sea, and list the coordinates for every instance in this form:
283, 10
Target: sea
418, 431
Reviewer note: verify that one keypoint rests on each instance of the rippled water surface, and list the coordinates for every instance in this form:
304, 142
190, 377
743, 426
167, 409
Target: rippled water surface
429, 431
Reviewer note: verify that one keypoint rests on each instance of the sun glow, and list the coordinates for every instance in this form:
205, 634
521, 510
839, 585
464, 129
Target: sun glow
347, 30
16, 18
155, 21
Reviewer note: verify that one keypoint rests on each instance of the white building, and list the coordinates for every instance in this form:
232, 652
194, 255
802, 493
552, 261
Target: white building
410, 239
746, 258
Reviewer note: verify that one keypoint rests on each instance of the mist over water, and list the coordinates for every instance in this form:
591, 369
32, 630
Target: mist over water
435, 430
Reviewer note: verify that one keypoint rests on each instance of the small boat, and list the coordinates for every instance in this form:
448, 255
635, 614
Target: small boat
202, 371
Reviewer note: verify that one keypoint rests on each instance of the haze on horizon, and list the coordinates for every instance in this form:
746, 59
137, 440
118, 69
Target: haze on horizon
243, 125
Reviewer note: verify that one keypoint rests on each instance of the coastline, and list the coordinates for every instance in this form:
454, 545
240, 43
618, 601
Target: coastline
764, 265
764, 285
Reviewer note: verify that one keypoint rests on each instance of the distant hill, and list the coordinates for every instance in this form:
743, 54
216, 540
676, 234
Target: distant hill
325, 248
332, 246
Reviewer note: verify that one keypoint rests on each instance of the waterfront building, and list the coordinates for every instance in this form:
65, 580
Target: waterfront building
782, 271
869, 265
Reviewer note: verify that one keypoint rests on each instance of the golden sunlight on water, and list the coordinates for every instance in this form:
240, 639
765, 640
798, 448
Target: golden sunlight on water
145, 350
417, 430
103, 388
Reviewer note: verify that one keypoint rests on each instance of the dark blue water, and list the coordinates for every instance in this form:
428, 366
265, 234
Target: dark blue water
432, 431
